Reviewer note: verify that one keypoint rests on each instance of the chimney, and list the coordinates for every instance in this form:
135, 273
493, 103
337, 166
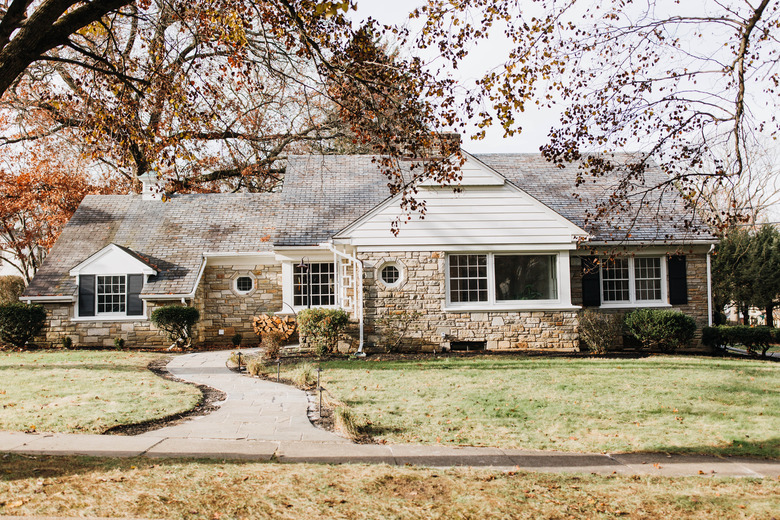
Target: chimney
150, 187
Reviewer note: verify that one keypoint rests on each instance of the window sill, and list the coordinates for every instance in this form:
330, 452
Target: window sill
635, 305
512, 308
109, 318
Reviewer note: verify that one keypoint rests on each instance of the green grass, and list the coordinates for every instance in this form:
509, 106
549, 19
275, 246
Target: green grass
85, 391
660, 403
92, 487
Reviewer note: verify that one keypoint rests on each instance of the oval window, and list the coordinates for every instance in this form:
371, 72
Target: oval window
390, 274
244, 283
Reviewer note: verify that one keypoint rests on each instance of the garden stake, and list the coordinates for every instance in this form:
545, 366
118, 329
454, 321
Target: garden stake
278, 368
319, 388
239, 361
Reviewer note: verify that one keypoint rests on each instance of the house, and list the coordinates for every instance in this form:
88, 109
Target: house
505, 261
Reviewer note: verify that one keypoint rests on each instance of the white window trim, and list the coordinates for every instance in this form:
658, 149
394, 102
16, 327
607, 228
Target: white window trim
401, 274
243, 274
288, 286
562, 303
112, 316
632, 301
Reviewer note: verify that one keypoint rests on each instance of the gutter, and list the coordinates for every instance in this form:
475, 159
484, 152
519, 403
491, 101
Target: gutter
48, 299
358, 266
613, 243
709, 285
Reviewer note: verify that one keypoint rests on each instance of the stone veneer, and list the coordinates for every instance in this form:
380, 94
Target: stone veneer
99, 333
696, 270
423, 290
222, 308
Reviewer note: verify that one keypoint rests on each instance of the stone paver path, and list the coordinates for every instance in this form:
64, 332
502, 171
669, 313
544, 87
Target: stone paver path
254, 409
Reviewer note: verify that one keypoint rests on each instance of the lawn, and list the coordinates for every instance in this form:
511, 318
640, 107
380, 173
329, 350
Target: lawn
85, 391
658, 403
73, 486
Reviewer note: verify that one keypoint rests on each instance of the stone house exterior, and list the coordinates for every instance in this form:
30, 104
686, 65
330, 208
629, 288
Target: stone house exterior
505, 261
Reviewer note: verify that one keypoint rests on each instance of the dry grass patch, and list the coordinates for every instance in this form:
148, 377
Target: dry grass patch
85, 391
146, 488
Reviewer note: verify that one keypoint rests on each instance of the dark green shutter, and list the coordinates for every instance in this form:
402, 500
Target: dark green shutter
591, 282
678, 280
135, 282
86, 295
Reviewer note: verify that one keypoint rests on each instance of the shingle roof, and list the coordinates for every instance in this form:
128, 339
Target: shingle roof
171, 236
660, 217
323, 194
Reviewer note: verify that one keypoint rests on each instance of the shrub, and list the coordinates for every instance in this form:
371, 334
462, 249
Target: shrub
752, 339
11, 287
304, 375
177, 321
321, 328
236, 340
66, 342
20, 322
347, 421
257, 367
119, 342
271, 345
661, 329
600, 331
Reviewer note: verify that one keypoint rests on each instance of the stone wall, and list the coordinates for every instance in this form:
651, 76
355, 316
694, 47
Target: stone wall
696, 266
138, 333
423, 291
223, 308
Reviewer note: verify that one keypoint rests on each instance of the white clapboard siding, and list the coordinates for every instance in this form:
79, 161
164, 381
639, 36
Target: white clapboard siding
474, 173
478, 215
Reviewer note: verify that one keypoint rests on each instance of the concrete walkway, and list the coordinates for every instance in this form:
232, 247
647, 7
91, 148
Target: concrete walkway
264, 421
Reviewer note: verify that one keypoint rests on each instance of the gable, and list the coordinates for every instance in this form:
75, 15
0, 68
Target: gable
485, 211
113, 259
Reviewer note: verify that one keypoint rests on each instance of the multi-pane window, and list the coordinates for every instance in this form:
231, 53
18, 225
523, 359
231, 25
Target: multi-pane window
627, 280
111, 294
390, 274
321, 277
244, 284
525, 277
647, 278
615, 274
468, 278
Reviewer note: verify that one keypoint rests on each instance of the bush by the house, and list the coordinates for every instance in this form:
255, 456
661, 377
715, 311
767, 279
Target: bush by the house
660, 329
177, 321
321, 328
271, 345
11, 288
236, 340
66, 342
600, 331
20, 322
752, 339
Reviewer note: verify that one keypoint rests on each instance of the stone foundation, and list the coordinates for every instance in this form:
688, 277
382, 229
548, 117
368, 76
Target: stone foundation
389, 311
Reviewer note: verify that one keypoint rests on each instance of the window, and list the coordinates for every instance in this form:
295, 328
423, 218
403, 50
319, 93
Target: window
111, 295
632, 280
502, 278
321, 277
390, 274
244, 284
468, 278
526, 277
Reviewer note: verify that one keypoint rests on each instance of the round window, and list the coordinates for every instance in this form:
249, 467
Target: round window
244, 283
390, 274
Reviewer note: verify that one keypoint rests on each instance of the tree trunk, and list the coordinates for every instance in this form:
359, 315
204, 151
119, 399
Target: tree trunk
769, 318
745, 315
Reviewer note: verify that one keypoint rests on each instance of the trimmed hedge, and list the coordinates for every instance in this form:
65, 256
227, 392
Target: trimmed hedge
20, 322
177, 321
660, 329
753, 339
322, 327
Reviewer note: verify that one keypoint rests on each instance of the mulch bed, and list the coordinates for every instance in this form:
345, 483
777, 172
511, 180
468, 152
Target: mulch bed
204, 407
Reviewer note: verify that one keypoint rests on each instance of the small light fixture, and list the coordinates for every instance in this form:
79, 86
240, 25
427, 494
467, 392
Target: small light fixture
304, 266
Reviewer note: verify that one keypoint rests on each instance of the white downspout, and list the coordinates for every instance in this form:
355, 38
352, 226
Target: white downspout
358, 266
709, 285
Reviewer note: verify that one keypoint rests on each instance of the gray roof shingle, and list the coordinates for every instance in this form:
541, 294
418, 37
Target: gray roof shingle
321, 196
171, 236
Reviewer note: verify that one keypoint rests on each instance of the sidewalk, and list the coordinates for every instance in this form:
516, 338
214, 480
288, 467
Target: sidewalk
265, 421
